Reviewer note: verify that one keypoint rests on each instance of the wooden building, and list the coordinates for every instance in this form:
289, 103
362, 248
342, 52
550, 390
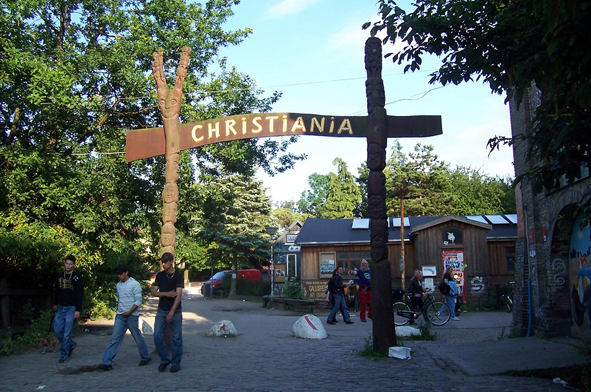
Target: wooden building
481, 249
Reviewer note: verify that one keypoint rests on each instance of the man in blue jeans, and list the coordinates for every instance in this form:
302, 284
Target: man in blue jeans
67, 304
339, 299
129, 294
168, 287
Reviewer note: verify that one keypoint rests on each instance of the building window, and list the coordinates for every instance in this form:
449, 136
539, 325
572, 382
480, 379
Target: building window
451, 236
327, 264
510, 257
351, 260
291, 266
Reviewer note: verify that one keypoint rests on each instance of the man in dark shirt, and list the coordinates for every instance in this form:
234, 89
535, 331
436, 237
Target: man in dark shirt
339, 299
67, 304
168, 287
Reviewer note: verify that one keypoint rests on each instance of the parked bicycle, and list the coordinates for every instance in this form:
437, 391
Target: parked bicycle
496, 299
435, 312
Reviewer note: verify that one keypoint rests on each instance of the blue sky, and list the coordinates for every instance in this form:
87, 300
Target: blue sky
313, 52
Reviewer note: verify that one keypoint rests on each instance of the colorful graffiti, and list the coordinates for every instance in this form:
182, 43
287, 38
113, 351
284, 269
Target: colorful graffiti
580, 278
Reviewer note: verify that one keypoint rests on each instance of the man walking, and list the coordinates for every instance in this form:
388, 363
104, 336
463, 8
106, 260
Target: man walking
339, 299
129, 294
168, 287
364, 276
67, 304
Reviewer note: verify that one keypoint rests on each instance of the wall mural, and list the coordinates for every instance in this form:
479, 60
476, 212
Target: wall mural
580, 278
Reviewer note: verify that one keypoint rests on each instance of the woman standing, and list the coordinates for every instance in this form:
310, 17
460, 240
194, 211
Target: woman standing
450, 297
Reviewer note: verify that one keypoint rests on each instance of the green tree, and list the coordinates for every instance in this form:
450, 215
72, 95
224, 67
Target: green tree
511, 46
362, 179
427, 178
74, 75
287, 216
232, 223
343, 195
332, 195
313, 199
434, 189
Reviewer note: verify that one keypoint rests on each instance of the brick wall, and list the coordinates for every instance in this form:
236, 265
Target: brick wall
541, 263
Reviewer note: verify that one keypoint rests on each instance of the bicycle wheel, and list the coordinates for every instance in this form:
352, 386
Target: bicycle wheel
438, 313
487, 302
400, 307
507, 304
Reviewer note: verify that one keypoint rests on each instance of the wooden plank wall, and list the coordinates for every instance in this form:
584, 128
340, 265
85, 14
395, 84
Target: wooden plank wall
428, 247
311, 258
487, 263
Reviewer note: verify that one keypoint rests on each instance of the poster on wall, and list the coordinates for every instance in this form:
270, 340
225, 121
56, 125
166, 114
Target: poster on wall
327, 264
279, 273
579, 279
455, 259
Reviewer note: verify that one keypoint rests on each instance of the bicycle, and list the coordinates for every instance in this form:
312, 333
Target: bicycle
495, 300
435, 312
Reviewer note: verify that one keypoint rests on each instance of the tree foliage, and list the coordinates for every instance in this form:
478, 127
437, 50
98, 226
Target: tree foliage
332, 196
436, 189
343, 194
74, 76
512, 46
232, 222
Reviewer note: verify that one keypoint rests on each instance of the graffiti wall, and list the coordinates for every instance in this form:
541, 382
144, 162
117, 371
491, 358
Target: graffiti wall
580, 279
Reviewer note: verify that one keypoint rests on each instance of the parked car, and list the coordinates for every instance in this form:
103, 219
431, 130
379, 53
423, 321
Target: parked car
250, 275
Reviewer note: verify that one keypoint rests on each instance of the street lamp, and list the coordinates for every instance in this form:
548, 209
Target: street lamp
272, 231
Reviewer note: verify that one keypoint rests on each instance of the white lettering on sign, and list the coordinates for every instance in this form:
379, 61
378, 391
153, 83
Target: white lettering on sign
255, 126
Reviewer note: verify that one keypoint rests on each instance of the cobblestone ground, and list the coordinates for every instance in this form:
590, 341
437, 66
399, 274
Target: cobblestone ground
263, 357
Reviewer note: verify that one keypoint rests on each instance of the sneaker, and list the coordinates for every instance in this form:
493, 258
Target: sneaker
145, 362
72, 347
363, 320
349, 322
63, 359
105, 367
162, 367
455, 319
175, 368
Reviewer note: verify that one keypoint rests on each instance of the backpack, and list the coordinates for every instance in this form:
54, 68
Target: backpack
443, 288
331, 286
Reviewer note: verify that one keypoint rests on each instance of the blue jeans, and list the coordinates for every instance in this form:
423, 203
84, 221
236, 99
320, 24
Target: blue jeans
122, 324
450, 301
339, 303
63, 325
176, 326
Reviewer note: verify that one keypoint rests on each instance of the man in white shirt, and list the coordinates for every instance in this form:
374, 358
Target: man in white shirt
129, 294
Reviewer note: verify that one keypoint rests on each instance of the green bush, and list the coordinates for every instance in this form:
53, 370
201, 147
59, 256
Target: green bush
293, 290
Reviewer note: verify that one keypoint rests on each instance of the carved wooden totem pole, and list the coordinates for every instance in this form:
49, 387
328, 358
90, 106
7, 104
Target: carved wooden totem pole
170, 104
384, 335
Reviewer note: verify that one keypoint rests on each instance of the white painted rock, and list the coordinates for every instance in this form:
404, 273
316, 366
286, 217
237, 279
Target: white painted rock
222, 328
309, 327
146, 328
405, 330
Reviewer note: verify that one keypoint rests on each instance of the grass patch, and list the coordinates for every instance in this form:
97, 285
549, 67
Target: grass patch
368, 351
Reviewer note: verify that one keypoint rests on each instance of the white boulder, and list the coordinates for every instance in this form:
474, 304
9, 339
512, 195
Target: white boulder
405, 330
222, 328
309, 327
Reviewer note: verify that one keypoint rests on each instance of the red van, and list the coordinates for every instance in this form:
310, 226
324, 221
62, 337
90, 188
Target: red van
251, 275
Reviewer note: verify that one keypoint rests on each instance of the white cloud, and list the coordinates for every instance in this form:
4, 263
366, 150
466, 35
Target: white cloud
290, 7
352, 37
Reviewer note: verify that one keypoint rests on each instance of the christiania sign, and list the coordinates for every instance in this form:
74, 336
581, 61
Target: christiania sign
145, 143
